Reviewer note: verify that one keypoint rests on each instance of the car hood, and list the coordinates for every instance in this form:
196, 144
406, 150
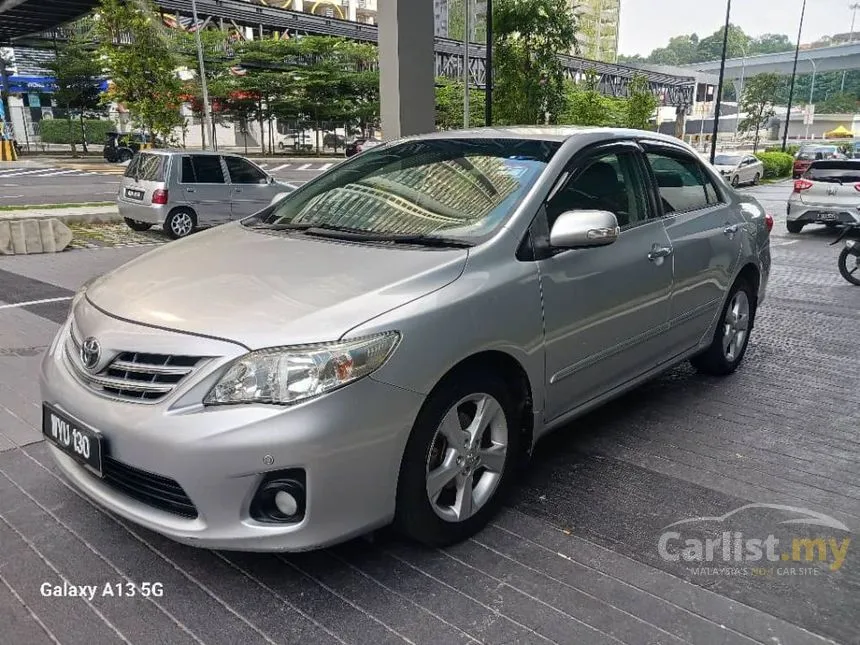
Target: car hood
267, 289
722, 168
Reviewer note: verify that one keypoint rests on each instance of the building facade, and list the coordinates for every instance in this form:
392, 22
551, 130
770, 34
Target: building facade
354, 10
597, 28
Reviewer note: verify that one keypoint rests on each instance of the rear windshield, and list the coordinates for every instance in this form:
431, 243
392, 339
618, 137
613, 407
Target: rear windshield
147, 167
836, 171
808, 154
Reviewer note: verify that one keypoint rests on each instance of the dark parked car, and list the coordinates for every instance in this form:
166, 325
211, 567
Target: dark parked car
121, 146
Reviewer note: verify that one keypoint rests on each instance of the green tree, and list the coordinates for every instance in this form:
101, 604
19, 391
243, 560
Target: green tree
585, 105
757, 102
640, 104
77, 77
711, 48
142, 74
529, 77
838, 103
449, 105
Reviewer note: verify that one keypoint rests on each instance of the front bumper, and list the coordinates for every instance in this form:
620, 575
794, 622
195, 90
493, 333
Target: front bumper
349, 443
798, 211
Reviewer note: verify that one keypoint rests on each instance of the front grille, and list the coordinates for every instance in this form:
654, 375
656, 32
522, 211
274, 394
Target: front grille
133, 376
160, 492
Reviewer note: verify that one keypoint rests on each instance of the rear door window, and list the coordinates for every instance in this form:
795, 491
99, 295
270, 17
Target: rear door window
202, 169
243, 172
147, 167
683, 183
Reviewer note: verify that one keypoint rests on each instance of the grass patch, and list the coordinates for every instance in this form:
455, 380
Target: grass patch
33, 207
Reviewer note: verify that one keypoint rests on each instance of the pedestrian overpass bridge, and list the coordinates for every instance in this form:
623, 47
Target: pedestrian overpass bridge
836, 58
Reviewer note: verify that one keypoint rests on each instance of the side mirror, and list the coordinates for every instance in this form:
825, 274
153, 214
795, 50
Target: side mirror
584, 228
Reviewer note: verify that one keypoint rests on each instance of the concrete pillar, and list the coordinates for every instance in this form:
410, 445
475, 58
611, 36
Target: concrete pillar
351, 6
406, 69
298, 5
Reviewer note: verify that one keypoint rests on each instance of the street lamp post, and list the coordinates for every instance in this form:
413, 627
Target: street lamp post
719, 96
793, 76
811, 94
854, 7
741, 90
206, 107
488, 68
466, 39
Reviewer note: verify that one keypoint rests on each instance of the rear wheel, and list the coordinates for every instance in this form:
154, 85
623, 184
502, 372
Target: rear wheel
756, 179
731, 337
459, 459
134, 225
794, 227
180, 223
849, 266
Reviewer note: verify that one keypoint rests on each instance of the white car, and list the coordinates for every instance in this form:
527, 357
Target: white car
739, 169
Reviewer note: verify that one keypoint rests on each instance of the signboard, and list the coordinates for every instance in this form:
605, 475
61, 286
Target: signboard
809, 115
34, 100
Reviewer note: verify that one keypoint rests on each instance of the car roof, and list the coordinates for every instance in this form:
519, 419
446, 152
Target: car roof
558, 133
189, 152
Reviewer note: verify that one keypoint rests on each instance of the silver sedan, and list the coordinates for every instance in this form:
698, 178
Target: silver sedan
387, 342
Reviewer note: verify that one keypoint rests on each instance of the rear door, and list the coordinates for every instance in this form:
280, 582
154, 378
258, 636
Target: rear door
146, 173
204, 187
834, 185
704, 229
250, 187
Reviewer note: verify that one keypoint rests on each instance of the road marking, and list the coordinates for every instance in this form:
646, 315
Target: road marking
788, 243
35, 302
59, 172
304, 166
326, 166
10, 196
10, 185
281, 167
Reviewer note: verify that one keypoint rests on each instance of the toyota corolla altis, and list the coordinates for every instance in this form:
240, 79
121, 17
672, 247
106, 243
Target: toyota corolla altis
387, 342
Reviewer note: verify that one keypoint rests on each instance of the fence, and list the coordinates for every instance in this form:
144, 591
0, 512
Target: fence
51, 129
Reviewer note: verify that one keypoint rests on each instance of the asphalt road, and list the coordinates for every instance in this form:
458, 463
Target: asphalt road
71, 182
572, 559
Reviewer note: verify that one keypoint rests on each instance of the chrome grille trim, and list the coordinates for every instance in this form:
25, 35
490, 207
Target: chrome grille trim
136, 377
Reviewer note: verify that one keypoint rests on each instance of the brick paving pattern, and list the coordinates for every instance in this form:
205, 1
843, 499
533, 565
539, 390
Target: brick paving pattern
573, 557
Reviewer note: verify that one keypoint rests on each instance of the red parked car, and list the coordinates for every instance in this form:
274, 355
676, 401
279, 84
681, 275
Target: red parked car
807, 154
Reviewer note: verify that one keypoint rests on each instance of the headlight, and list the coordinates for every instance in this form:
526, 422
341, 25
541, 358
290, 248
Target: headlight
287, 375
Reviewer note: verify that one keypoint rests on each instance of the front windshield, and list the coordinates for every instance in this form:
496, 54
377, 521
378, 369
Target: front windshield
452, 188
727, 160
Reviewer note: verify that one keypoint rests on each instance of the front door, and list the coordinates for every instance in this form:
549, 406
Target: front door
605, 308
250, 188
205, 188
705, 233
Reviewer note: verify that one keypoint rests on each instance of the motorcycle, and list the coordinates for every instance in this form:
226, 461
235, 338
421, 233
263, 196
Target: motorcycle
849, 258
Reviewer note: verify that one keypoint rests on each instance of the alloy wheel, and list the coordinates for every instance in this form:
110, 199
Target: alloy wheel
467, 457
736, 326
181, 224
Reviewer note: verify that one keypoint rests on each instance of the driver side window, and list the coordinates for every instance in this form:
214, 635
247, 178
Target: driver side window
611, 182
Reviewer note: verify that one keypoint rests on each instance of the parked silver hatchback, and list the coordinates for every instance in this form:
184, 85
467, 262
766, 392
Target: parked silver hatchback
389, 341
179, 190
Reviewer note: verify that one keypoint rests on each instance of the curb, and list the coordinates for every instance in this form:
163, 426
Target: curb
81, 217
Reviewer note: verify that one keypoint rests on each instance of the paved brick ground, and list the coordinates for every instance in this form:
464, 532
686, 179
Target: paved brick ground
572, 559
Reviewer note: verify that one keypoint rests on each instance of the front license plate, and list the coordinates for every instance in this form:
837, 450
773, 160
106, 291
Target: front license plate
79, 442
133, 194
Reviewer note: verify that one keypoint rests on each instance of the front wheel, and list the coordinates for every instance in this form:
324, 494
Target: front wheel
736, 181
134, 225
729, 344
459, 459
849, 266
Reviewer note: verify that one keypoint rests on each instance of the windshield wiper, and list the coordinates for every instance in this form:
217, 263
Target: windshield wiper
342, 233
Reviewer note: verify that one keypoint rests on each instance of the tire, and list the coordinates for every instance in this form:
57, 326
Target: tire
756, 179
435, 523
852, 274
134, 225
735, 181
794, 227
180, 223
727, 348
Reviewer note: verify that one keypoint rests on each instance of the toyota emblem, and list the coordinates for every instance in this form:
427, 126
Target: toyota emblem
90, 353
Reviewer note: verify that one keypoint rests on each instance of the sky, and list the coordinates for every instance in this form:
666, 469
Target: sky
648, 24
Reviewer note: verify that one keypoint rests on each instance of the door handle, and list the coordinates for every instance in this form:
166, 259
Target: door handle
730, 230
658, 252
237, 190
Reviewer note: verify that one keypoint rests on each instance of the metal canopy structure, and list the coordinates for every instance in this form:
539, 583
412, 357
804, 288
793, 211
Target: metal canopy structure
24, 17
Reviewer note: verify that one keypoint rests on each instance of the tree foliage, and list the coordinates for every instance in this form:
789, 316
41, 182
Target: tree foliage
640, 104
449, 105
77, 80
528, 34
143, 75
757, 102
